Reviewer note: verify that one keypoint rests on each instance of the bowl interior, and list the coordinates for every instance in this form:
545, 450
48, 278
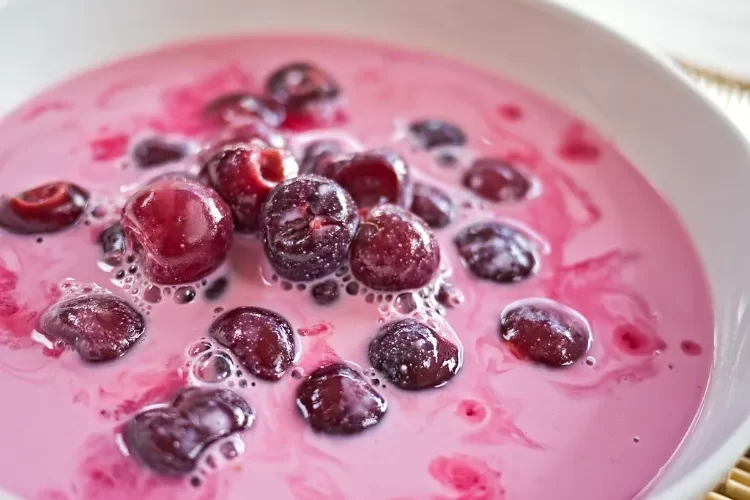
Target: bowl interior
680, 143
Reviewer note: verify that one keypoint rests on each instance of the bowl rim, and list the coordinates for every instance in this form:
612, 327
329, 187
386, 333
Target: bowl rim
703, 477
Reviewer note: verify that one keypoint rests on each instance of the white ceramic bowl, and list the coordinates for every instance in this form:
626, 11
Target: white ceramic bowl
683, 145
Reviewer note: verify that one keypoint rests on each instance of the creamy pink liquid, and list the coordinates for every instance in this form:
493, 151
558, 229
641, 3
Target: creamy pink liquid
609, 247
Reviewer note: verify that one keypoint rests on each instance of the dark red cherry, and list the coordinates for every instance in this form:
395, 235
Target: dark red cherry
157, 151
43, 209
238, 108
319, 156
112, 241
181, 229
544, 332
171, 439
394, 250
99, 327
429, 134
412, 356
262, 341
326, 293
496, 252
246, 133
165, 441
374, 177
216, 412
432, 205
336, 399
303, 89
308, 224
496, 180
244, 174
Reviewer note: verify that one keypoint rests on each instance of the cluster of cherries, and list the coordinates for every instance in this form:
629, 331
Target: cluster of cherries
333, 205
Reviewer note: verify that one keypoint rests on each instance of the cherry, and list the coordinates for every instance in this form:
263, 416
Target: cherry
496, 252
245, 133
413, 356
394, 250
244, 175
99, 327
237, 108
218, 412
319, 156
326, 293
432, 205
181, 229
112, 241
262, 341
429, 134
374, 177
171, 439
496, 180
156, 151
546, 333
303, 89
336, 399
308, 224
44, 209
165, 441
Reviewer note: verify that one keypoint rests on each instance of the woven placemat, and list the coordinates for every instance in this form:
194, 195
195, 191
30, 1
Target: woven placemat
733, 95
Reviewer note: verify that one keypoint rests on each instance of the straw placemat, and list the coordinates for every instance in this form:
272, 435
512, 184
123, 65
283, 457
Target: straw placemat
733, 95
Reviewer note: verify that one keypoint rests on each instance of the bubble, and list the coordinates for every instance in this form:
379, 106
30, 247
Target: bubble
301, 287
199, 347
40, 240
213, 367
242, 383
297, 373
99, 212
152, 294
591, 361
346, 278
286, 286
636, 439
195, 481
229, 450
218, 310
370, 298
211, 462
405, 303
342, 271
352, 288
389, 297
166, 292
130, 258
204, 282
133, 269
184, 295
129, 279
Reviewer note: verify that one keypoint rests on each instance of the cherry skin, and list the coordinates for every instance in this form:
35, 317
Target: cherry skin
496, 252
181, 230
319, 156
218, 412
430, 134
44, 209
394, 250
496, 180
336, 399
304, 90
262, 341
412, 356
432, 205
307, 225
156, 151
374, 177
99, 327
240, 107
171, 439
544, 332
244, 174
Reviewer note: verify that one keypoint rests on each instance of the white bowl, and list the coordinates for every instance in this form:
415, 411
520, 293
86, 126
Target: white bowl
683, 145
